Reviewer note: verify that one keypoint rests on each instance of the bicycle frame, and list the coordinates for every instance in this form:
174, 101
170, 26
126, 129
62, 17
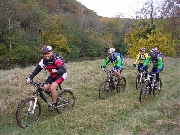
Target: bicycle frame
112, 82
37, 93
153, 77
40, 91
148, 86
111, 77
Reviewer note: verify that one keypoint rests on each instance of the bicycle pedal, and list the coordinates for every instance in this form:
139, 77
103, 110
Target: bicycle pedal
52, 107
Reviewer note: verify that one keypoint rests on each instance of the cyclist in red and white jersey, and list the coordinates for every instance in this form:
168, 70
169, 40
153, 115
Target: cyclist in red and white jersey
54, 64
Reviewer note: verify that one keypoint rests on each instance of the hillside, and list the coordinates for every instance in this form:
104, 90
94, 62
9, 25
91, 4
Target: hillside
119, 114
72, 29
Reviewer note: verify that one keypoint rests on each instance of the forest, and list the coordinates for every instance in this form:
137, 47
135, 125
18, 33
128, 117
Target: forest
78, 33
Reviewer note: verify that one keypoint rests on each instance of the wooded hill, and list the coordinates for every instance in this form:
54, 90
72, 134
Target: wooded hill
77, 32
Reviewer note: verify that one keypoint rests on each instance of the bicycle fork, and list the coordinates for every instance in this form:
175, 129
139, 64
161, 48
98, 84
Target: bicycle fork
32, 106
141, 75
140, 78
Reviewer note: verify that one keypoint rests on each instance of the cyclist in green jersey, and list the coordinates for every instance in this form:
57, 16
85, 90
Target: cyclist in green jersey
116, 59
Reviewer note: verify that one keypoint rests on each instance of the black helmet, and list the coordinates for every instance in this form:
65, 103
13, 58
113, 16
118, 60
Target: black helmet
46, 49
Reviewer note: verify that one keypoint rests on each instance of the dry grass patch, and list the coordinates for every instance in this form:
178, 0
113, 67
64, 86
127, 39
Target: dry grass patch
118, 114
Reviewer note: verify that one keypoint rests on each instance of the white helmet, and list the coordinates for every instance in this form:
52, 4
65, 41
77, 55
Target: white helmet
46, 49
111, 50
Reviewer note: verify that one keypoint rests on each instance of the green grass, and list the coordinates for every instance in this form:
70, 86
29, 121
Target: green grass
119, 114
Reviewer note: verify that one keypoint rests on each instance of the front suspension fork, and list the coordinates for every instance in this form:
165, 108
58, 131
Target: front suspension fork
32, 106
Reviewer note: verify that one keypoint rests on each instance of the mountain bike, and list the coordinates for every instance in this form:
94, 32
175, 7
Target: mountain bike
112, 82
140, 79
29, 110
150, 86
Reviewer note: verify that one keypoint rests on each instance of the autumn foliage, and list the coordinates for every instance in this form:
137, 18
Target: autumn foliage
78, 33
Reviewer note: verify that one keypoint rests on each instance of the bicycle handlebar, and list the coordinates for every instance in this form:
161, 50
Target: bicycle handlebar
105, 70
142, 71
38, 84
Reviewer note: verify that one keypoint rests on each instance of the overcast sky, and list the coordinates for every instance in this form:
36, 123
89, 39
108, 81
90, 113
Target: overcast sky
111, 8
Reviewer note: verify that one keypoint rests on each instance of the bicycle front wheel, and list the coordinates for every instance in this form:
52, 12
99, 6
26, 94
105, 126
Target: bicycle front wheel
157, 89
138, 83
104, 90
65, 101
28, 112
121, 86
145, 89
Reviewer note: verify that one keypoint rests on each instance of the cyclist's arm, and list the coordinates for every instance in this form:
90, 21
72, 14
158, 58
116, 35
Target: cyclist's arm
147, 61
137, 59
38, 68
160, 63
106, 61
142, 61
146, 55
60, 66
119, 62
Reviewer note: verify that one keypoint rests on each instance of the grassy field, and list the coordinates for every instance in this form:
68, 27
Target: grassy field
119, 114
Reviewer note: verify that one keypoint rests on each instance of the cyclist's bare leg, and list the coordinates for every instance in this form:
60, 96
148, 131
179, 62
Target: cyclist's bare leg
118, 73
53, 88
46, 87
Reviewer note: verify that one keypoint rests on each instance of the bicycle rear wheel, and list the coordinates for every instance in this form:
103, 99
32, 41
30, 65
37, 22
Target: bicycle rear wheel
104, 90
65, 101
121, 86
26, 116
157, 90
145, 89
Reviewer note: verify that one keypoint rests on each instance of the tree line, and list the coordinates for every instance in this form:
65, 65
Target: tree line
77, 33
